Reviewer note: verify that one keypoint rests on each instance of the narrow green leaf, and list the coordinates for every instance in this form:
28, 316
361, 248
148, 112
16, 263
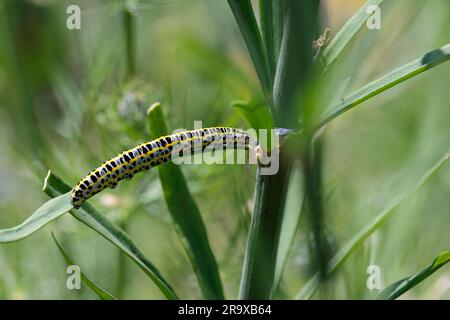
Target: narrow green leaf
54, 186
49, 211
347, 32
271, 14
400, 287
347, 250
243, 13
186, 216
255, 113
409, 70
102, 294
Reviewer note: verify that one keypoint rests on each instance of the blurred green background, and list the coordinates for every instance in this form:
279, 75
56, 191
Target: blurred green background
70, 99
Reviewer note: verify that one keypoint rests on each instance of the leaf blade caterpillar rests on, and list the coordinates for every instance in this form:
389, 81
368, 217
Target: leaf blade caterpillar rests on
150, 154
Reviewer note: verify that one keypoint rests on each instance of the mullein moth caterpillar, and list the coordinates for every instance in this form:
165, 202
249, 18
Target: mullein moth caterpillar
150, 154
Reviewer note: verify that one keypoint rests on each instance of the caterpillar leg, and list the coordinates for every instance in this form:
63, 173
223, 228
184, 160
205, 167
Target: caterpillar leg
112, 185
129, 176
76, 202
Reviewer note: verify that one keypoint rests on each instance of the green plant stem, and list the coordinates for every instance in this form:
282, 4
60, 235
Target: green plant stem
295, 58
129, 29
262, 243
312, 161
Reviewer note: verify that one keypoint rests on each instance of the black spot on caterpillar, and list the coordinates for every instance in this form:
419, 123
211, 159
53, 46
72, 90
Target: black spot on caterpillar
150, 154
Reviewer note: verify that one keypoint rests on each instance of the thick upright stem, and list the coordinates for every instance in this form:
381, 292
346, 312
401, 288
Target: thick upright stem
262, 243
312, 173
294, 62
129, 29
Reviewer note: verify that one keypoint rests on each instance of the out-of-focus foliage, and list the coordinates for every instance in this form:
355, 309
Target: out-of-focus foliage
68, 102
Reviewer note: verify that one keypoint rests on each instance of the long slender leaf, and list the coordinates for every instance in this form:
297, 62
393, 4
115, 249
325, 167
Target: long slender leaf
271, 14
347, 250
186, 216
54, 186
243, 13
49, 211
347, 32
102, 294
407, 71
400, 287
